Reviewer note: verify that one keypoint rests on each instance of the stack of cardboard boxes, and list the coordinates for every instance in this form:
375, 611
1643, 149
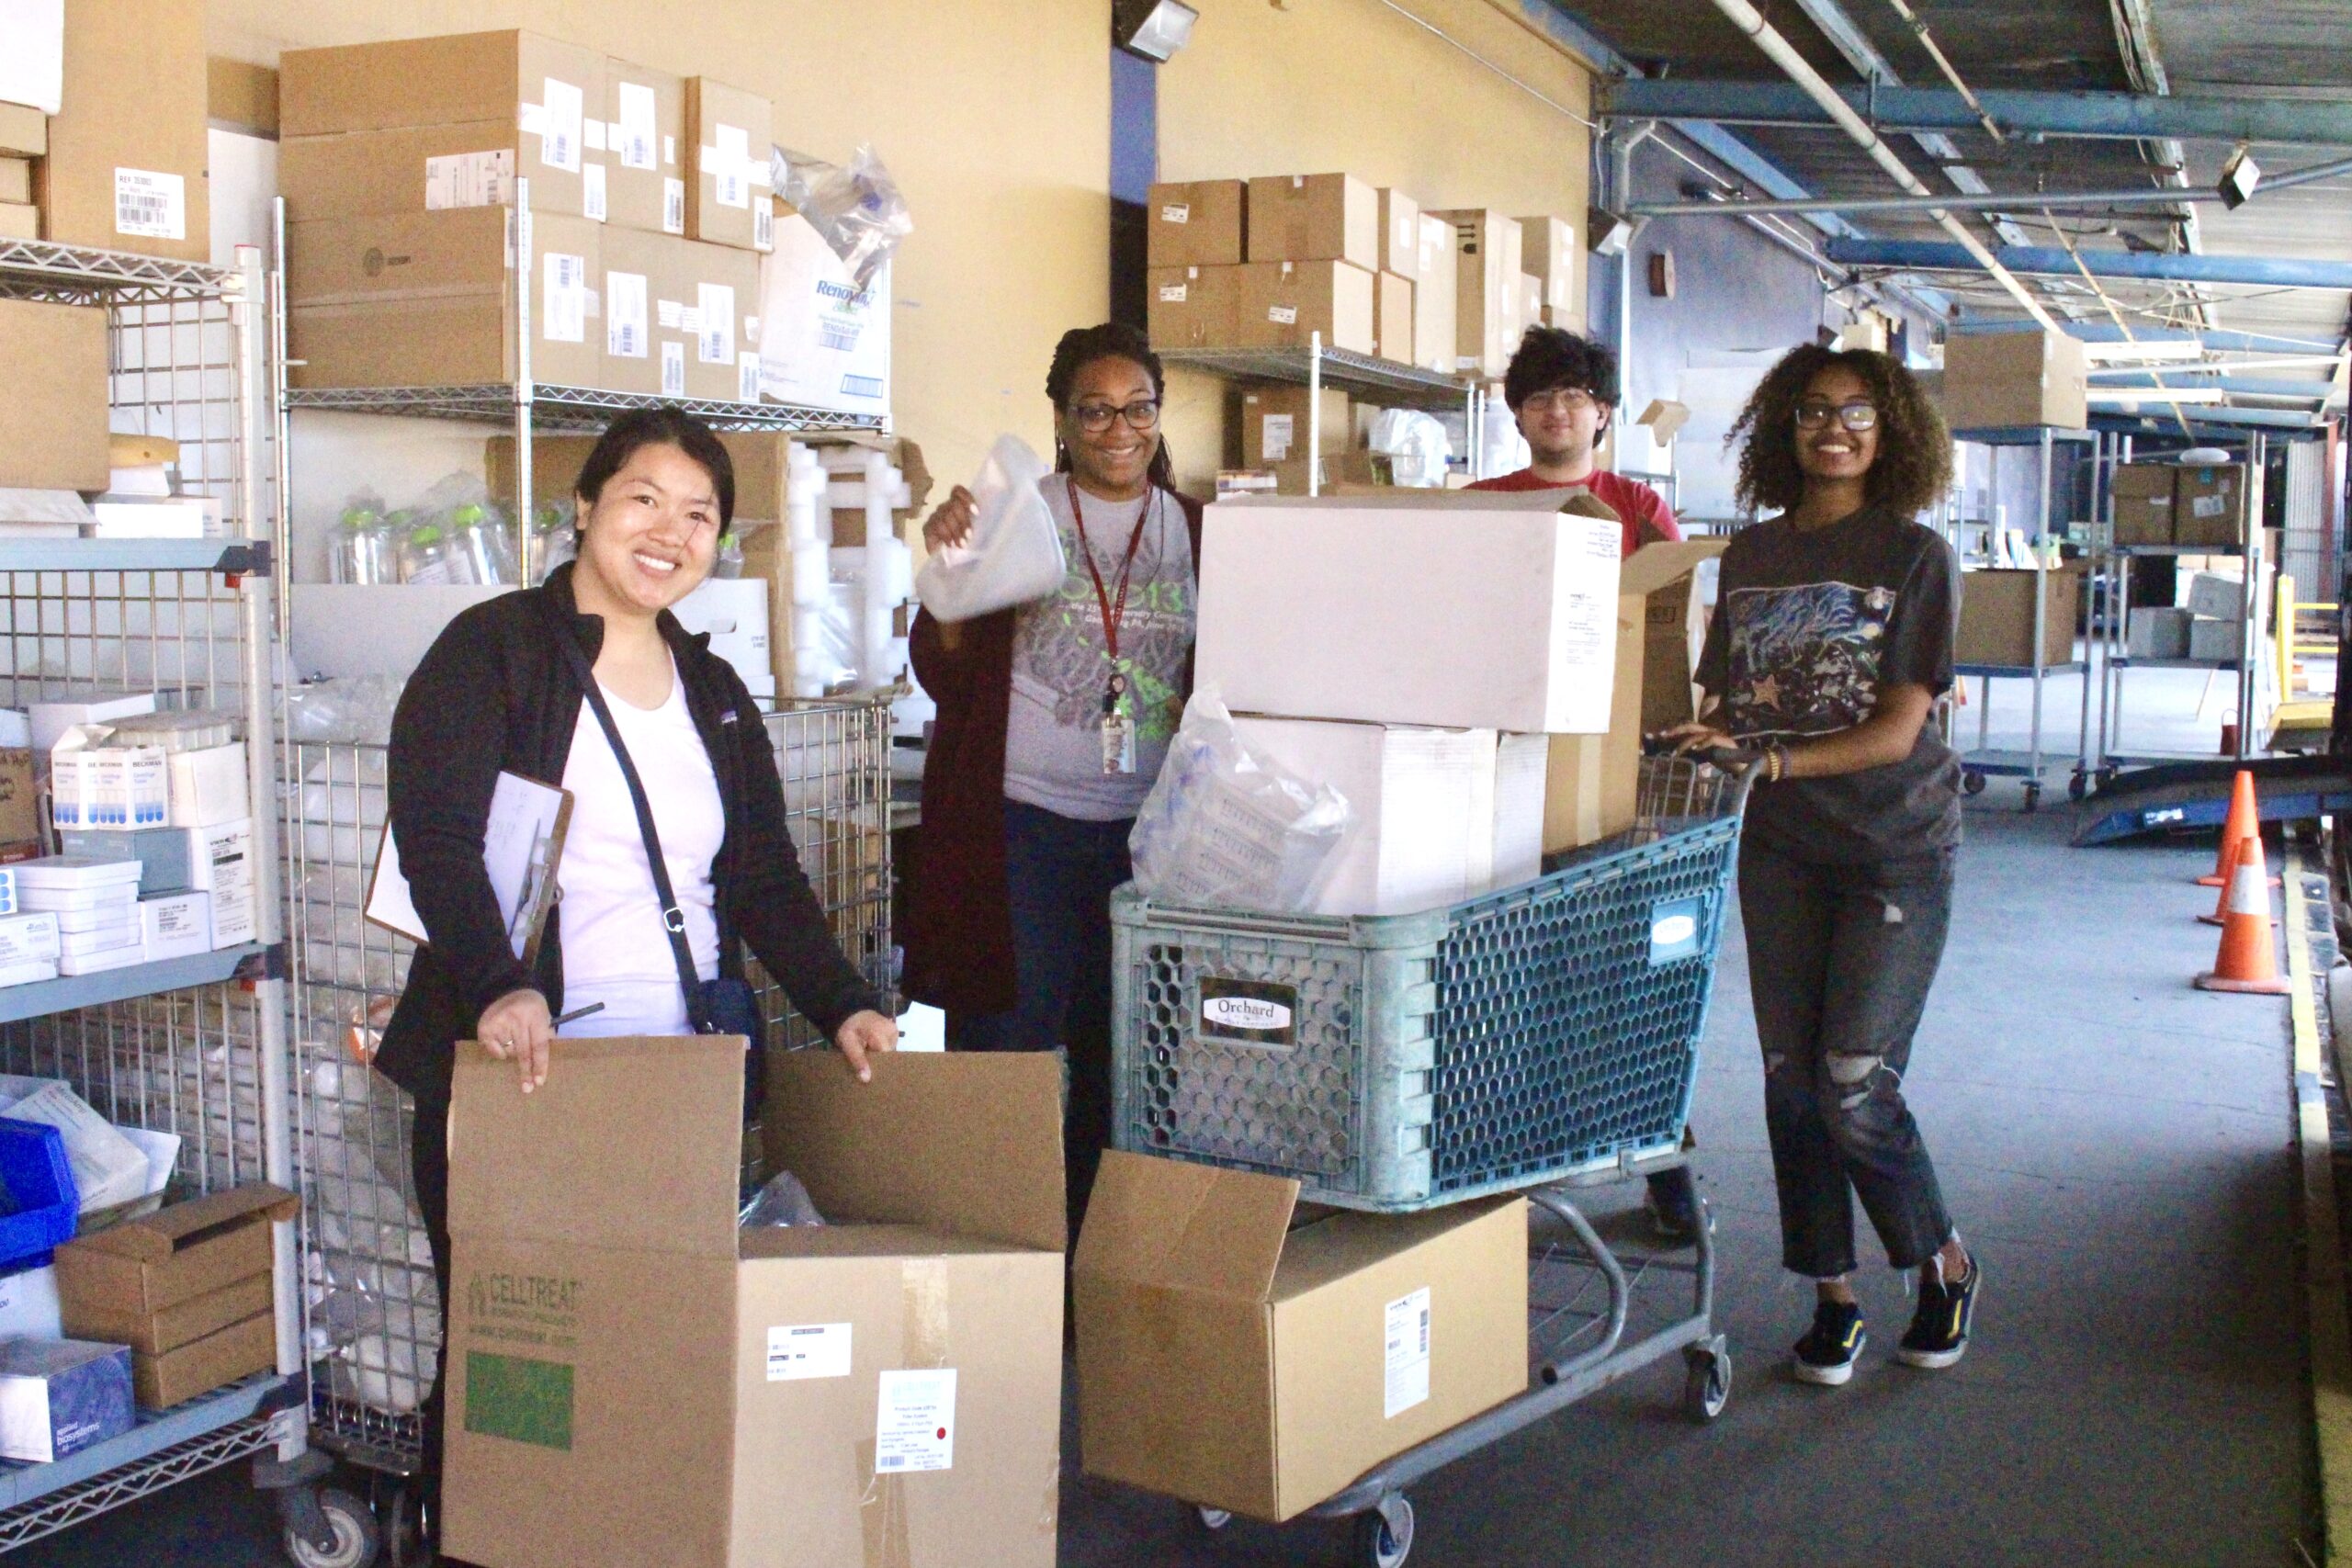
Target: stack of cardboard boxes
649, 209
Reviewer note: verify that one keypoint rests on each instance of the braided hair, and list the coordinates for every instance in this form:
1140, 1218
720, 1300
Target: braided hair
1082, 346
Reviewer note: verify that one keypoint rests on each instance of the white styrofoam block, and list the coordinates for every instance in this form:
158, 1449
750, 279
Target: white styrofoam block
51, 720
1471, 611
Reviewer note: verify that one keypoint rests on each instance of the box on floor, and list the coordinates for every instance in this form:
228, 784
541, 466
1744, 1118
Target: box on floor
1196, 223
1238, 1354
901, 1362
127, 162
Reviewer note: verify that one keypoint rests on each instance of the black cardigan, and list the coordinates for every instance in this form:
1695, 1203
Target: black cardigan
494, 692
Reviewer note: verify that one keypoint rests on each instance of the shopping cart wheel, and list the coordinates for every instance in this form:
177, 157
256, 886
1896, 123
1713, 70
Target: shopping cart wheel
1706, 1387
356, 1538
2078, 785
1213, 1519
1972, 781
2033, 793
1385, 1535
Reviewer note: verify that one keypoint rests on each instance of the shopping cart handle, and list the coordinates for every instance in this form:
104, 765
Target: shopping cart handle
1730, 759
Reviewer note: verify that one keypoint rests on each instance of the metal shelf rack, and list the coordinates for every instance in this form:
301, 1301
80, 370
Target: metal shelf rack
194, 1046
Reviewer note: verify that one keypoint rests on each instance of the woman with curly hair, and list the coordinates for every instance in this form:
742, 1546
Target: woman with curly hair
1831, 643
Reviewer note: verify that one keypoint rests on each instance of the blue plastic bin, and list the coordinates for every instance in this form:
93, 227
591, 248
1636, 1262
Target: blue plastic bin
43, 1201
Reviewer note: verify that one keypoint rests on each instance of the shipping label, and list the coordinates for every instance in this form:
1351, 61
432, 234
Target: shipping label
1173, 293
591, 192
716, 339
747, 377
151, 204
764, 222
563, 315
914, 1421
728, 162
673, 368
669, 152
1176, 212
635, 144
1275, 436
670, 315
625, 336
808, 1350
1283, 315
561, 135
674, 205
470, 179
1406, 1375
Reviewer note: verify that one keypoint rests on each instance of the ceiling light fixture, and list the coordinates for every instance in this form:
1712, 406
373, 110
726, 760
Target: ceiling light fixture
1155, 29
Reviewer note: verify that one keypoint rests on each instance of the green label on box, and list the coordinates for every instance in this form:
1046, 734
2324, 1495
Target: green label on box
523, 1401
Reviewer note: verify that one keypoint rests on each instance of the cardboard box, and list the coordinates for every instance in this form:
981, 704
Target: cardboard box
1531, 308
1193, 306
1241, 1356
1435, 286
56, 441
126, 168
1400, 235
897, 1369
1309, 217
729, 199
530, 95
145, 1266
759, 458
1393, 323
1996, 617
1473, 610
647, 347
824, 341
175, 1376
645, 175
16, 180
1337, 473
19, 221
426, 299
208, 787
718, 309
24, 130
2218, 595
2158, 631
183, 1322
2216, 640
1997, 381
1280, 303
1486, 301
2143, 503
1548, 248
1196, 223
1274, 423
58, 1397
2209, 506
423, 168
1522, 771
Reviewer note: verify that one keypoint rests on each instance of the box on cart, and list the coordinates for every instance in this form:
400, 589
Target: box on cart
764, 1395
1240, 1353
60, 1396
56, 441
2143, 498
2209, 506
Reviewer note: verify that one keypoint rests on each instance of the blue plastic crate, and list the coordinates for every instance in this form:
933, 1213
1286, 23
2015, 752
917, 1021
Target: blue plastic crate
42, 1202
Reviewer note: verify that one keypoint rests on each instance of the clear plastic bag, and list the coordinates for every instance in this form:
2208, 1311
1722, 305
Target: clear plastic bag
348, 708
782, 1202
857, 209
1226, 828
1014, 553
1416, 443
363, 550
476, 532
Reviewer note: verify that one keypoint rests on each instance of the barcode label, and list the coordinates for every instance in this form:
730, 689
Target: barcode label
1173, 293
564, 317
624, 334
673, 368
1283, 315
764, 223
470, 179
747, 377
869, 387
151, 204
670, 315
635, 142
559, 140
1176, 212
716, 339
840, 337
674, 205
730, 163
592, 191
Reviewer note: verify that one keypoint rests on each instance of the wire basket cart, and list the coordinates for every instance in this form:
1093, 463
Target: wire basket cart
1542, 1038
372, 1326
192, 1046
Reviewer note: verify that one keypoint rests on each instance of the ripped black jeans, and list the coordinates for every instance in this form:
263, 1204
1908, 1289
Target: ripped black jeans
1839, 960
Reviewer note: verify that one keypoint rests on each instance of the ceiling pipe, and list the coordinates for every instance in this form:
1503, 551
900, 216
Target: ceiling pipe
2135, 116
1750, 20
1935, 53
2138, 195
2268, 272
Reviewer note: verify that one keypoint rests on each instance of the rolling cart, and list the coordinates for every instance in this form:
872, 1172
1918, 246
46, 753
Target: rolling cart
1541, 1039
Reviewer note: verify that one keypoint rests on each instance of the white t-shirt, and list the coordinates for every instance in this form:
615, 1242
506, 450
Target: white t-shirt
615, 950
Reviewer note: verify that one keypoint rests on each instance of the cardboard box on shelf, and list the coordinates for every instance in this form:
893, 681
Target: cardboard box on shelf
58, 440
2144, 500
170, 1328
24, 130
1400, 235
1996, 610
758, 455
728, 187
1393, 324
426, 299
420, 168
19, 221
1487, 304
1311, 218
645, 170
1548, 249
1340, 473
1531, 308
1193, 306
824, 341
240, 1351
718, 307
2216, 640
208, 787
2001, 381
127, 160
2217, 595
1196, 223
1274, 423
2158, 631
1280, 303
58, 1397
607, 1305
2209, 506
15, 180
1472, 610
1241, 1356
641, 268
537, 91
1435, 327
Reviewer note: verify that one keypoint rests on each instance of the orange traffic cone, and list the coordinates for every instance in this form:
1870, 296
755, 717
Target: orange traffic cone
2233, 851
2248, 960
2244, 817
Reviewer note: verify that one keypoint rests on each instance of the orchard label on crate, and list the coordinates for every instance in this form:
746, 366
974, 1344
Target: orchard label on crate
1255, 1012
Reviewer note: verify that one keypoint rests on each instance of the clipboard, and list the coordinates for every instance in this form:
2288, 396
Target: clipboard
522, 848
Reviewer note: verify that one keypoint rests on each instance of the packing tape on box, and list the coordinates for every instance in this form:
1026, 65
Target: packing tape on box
923, 1344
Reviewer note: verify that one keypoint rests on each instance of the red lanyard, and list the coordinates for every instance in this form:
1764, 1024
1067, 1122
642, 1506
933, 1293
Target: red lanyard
1114, 612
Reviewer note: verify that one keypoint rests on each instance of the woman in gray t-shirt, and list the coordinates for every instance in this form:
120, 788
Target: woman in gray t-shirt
1832, 641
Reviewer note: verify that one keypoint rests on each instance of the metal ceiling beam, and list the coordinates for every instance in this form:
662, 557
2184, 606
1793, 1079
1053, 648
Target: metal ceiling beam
2249, 386
2126, 116
2218, 340
2273, 419
2012, 202
2051, 262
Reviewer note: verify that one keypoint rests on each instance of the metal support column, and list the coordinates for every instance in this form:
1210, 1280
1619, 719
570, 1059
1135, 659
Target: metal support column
523, 554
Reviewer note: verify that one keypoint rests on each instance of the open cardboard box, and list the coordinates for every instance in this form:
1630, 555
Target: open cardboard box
633, 1381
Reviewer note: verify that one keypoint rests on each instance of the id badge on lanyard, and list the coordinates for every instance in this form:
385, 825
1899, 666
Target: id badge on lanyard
1118, 707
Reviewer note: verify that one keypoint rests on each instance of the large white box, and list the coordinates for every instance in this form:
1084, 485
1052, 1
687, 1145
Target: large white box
1468, 610
93, 785
208, 786
51, 720
27, 939
824, 341
222, 864
734, 612
175, 925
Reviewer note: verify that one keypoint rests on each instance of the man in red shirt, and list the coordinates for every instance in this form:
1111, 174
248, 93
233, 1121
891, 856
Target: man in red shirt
1563, 388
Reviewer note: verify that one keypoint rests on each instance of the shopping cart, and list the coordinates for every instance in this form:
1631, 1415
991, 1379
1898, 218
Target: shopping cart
1539, 1039
372, 1329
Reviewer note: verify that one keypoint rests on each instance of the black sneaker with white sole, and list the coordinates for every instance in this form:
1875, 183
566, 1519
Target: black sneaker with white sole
1938, 1333
1827, 1352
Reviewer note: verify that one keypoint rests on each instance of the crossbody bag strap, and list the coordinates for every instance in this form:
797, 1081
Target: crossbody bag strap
673, 918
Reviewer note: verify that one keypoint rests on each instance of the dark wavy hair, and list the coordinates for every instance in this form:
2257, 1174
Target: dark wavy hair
1913, 468
659, 426
1552, 356
1082, 346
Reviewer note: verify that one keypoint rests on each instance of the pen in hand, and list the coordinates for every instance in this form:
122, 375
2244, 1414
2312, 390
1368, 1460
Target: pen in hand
575, 1015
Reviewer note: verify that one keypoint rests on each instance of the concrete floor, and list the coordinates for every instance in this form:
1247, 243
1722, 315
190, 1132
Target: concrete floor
2112, 1142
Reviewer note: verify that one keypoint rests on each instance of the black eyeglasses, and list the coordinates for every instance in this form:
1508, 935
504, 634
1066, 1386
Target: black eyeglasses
1095, 418
1814, 413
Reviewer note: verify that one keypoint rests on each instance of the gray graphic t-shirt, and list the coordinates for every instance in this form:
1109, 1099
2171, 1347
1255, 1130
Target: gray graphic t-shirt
1061, 665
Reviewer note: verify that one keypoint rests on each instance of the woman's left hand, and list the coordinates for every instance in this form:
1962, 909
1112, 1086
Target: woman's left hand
1696, 736
866, 1035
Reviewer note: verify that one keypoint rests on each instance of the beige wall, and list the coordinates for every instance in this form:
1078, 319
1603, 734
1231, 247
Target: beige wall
1308, 86
994, 116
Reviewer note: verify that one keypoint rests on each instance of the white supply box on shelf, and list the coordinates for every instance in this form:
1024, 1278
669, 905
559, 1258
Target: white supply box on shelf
824, 341
1468, 610
60, 1396
27, 939
75, 881
93, 784
175, 925
51, 720
208, 787
7, 890
108, 1168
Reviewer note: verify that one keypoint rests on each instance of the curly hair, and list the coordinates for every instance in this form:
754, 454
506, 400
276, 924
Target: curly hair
1552, 356
1082, 346
1913, 469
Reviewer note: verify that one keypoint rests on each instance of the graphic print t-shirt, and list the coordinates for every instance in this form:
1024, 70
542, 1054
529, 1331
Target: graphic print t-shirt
1808, 626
